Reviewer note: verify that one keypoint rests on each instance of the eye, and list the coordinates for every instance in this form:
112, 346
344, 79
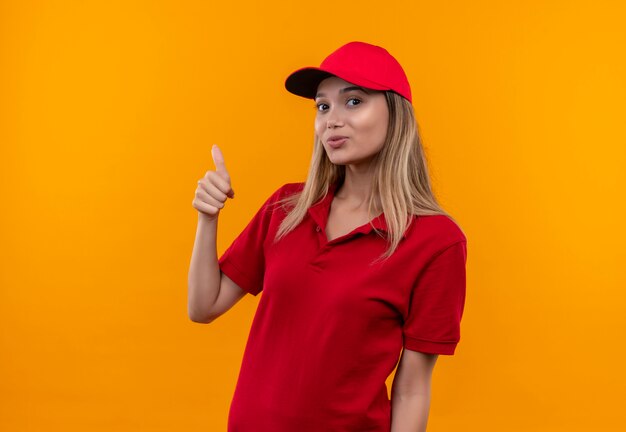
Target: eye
319, 105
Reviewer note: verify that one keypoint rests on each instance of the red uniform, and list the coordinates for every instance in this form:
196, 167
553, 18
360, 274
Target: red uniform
329, 327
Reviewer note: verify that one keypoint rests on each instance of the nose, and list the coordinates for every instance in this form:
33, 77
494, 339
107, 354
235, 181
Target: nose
332, 121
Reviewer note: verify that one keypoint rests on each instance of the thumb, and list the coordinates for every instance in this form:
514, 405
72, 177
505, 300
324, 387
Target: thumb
220, 166
218, 160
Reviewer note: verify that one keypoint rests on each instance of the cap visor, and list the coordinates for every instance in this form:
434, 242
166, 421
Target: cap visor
303, 82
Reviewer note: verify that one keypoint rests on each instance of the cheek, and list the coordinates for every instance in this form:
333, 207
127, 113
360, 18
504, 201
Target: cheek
374, 129
319, 127
383, 130
382, 125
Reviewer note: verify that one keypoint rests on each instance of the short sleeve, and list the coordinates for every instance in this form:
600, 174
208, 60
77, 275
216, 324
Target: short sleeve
437, 302
244, 260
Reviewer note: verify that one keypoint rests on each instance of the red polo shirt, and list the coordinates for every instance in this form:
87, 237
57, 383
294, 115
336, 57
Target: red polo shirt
329, 327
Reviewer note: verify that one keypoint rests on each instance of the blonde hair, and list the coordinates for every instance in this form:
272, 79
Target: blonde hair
400, 178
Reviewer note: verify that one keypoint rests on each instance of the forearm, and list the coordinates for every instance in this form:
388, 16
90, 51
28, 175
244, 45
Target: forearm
409, 413
204, 273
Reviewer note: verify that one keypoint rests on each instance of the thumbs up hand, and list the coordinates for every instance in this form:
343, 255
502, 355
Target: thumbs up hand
214, 188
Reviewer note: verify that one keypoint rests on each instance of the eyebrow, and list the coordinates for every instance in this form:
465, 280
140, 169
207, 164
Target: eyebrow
343, 90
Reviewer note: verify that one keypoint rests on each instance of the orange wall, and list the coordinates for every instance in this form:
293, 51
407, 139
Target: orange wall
108, 111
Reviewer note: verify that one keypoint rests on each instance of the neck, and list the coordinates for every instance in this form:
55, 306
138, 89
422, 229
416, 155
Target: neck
356, 188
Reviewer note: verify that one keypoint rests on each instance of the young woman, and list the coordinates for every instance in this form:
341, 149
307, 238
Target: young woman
360, 268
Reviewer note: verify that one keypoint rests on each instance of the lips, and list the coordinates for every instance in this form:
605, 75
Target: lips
336, 138
336, 141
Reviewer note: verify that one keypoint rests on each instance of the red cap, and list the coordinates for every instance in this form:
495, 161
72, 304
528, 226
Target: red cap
359, 63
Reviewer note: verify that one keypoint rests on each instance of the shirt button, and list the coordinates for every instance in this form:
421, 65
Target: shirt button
317, 228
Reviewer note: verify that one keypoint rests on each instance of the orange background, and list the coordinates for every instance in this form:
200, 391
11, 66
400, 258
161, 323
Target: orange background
108, 111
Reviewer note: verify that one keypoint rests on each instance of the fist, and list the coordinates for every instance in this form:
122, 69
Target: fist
214, 188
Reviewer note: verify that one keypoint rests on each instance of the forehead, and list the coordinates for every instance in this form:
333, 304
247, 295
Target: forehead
332, 85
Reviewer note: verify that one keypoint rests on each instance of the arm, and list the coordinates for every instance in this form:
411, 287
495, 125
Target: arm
410, 392
210, 292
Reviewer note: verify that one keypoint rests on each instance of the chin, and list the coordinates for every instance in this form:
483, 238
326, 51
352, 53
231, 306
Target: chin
338, 160
343, 162
350, 161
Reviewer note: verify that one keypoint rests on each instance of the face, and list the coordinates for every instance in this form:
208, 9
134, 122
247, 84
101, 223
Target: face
359, 115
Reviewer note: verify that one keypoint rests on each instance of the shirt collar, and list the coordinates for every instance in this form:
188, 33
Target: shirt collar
320, 210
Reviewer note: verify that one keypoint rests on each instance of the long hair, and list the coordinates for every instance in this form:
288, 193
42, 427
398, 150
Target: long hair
400, 178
